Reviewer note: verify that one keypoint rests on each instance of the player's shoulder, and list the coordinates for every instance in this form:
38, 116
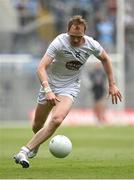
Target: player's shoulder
90, 40
62, 39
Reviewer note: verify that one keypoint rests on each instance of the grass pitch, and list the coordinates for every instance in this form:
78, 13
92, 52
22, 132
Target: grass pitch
98, 153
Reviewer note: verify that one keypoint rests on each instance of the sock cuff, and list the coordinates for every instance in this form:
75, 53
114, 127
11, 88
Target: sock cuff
25, 149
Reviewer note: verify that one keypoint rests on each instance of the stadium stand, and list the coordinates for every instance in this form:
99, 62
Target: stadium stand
27, 26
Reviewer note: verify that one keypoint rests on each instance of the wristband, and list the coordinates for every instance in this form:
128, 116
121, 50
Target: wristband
47, 89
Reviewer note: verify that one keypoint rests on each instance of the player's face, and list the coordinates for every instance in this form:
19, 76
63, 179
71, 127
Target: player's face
76, 33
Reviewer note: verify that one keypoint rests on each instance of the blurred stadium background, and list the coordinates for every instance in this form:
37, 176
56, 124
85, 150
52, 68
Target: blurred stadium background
26, 29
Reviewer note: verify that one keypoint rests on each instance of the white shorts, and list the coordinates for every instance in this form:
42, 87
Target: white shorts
71, 91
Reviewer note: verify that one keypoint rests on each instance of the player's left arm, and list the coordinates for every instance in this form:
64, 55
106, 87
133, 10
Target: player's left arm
113, 89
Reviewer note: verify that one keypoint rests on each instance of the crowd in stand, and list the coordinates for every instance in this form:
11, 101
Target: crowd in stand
100, 14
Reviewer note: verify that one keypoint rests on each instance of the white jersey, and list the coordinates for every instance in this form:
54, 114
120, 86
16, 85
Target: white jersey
68, 60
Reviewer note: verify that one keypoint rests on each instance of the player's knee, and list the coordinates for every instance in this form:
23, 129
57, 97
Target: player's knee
57, 120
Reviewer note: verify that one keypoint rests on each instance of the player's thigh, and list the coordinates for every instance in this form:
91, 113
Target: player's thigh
63, 107
42, 112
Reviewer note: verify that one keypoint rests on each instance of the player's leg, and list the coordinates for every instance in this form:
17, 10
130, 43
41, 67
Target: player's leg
59, 113
99, 110
103, 110
41, 114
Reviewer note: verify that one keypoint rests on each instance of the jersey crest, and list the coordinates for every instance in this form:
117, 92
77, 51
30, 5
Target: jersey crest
73, 65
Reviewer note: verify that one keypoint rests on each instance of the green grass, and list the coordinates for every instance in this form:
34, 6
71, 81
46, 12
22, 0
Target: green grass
98, 153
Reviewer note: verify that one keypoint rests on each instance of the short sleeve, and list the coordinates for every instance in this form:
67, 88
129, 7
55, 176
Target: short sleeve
97, 48
54, 47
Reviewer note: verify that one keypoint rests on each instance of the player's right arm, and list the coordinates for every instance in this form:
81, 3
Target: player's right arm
42, 74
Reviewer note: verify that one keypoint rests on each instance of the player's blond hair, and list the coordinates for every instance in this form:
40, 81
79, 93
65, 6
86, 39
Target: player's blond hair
77, 20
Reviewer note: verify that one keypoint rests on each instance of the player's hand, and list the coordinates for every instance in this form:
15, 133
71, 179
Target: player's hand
115, 94
50, 97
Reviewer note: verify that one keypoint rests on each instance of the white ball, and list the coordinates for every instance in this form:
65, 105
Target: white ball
60, 146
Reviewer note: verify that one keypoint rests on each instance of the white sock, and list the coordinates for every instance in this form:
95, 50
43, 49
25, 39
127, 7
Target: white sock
25, 150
